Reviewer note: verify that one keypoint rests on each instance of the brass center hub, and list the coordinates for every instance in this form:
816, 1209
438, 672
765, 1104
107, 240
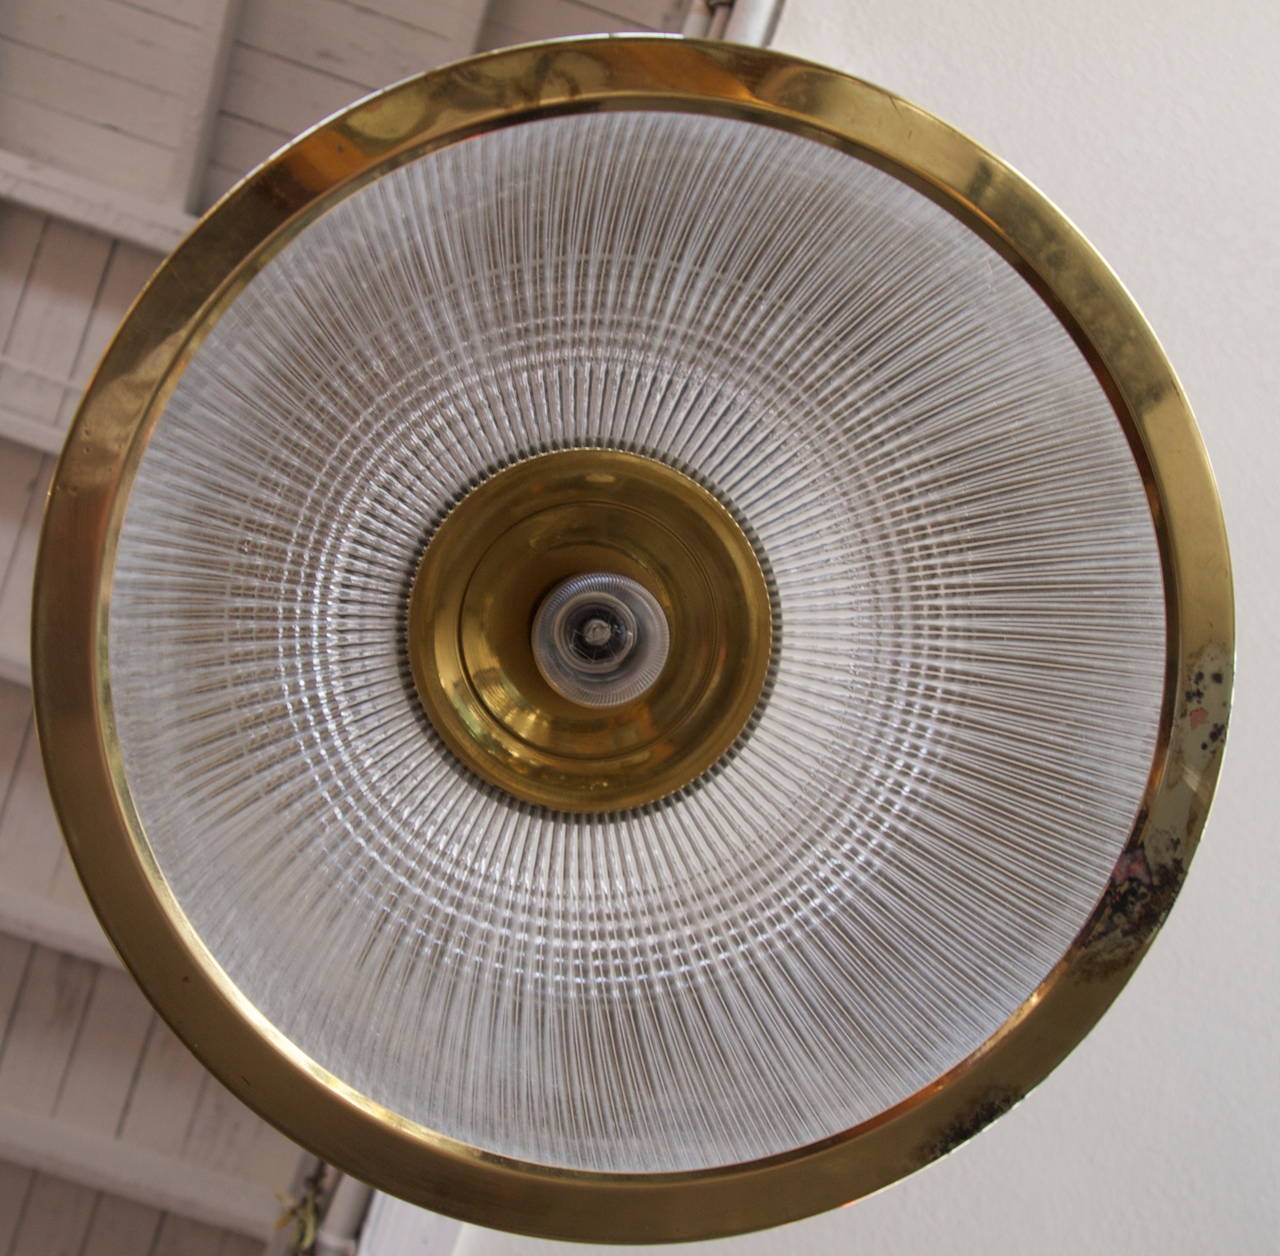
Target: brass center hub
600, 563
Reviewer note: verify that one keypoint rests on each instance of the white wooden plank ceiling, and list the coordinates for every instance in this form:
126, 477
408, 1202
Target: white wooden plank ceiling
120, 120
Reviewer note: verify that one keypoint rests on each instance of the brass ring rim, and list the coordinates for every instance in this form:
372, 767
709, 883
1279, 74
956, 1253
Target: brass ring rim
72, 692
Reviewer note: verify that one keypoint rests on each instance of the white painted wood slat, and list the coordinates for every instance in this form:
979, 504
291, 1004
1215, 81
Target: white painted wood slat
76, 146
218, 1200
49, 322
283, 95
180, 1236
20, 470
368, 48
74, 931
187, 12
24, 430
87, 92
30, 840
42, 1031
459, 18
238, 1245
160, 1106
104, 1066
15, 714
15, 591
55, 1218
15, 955
121, 1227
40, 895
80, 1097
112, 35
72, 1065
20, 231
15, 1188
224, 1135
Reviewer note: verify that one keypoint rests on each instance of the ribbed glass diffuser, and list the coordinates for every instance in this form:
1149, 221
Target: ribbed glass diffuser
949, 753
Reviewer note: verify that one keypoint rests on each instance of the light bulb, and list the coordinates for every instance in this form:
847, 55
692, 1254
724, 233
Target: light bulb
600, 639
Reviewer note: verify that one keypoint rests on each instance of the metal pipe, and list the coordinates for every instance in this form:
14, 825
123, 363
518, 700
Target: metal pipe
736, 21
753, 22
337, 1233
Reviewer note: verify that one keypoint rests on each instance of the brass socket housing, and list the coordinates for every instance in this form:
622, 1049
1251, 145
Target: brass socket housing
497, 555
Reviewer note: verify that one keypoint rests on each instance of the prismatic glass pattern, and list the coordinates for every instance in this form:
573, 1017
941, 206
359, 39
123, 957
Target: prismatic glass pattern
968, 674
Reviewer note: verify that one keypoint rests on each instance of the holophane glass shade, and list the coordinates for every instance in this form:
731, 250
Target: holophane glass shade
961, 712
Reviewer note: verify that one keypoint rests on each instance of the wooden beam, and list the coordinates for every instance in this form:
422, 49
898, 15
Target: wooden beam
135, 1172
15, 670
109, 210
72, 930
47, 437
211, 50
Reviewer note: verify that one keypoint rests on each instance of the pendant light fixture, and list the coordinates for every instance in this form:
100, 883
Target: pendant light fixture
632, 639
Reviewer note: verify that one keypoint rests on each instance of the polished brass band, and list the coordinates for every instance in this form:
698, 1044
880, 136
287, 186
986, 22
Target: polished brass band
488, 568
206, 274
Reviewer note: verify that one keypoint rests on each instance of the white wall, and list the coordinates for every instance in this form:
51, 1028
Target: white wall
1152, 123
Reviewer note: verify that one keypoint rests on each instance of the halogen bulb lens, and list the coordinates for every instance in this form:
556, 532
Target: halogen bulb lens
600, 639
596, 631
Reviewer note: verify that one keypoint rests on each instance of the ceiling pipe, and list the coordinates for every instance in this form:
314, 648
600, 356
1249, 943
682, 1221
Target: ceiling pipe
735, 21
